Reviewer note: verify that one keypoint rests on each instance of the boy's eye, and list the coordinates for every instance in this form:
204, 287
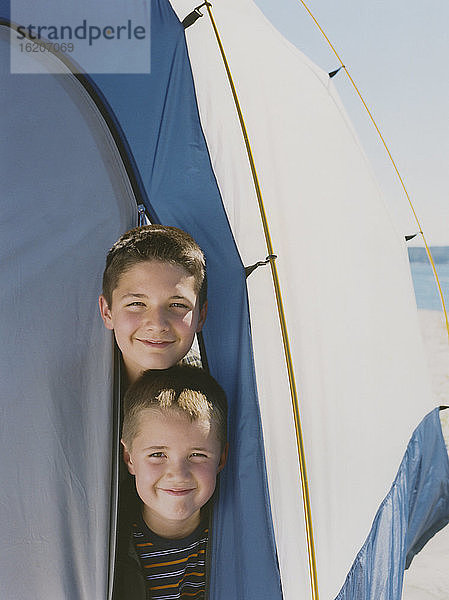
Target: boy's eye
198, 455
136, 303
156, 455
179, 305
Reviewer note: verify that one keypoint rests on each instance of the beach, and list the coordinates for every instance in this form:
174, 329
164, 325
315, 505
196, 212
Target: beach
428, 576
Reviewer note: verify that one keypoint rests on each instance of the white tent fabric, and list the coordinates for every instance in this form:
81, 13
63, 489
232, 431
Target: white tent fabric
345, 280
65, 200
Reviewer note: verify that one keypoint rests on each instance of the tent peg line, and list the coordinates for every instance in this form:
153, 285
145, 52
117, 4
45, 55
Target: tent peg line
283, 325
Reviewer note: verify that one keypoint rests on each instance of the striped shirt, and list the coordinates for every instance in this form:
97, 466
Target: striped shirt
172, 568
192, 358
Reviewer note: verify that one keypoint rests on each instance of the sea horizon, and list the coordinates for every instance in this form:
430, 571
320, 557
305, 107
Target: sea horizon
426, 290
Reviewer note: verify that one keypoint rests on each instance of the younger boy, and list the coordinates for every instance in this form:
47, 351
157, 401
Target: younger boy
174, 440
154, 296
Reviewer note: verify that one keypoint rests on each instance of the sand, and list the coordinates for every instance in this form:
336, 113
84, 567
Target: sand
428, 576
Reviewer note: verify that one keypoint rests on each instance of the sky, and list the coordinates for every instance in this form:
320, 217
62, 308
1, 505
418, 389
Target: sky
397, 52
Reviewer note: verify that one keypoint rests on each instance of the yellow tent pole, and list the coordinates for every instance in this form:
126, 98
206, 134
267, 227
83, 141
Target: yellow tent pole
429, 253
282, 320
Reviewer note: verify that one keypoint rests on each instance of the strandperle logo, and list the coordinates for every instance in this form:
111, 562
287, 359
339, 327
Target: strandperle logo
86, 36
83, 31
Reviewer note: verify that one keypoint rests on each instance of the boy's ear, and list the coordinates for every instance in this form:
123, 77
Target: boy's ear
202, 317
105, 312
223, 458
127, 458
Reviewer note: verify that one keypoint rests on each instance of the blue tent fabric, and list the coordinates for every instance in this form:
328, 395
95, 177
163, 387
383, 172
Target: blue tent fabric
415, 508
159, 117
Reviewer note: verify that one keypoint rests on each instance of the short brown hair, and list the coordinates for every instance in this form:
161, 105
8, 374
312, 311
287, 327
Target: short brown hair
184, 388
155, 242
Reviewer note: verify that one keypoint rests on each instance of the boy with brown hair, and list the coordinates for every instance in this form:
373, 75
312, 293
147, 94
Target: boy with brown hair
174, 440
154, 296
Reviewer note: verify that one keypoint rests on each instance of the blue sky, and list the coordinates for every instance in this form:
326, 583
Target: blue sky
397, 52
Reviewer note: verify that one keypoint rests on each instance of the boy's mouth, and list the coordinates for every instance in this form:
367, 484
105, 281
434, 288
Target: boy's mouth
176, 492
155, 343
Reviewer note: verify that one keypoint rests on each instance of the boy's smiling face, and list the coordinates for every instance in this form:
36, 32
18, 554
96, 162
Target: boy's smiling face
154, 314
175, 462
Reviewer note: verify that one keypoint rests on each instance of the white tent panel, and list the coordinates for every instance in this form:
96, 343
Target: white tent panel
345, 281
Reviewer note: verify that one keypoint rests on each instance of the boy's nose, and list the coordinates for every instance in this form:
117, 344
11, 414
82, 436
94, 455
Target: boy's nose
178, 471
155, 319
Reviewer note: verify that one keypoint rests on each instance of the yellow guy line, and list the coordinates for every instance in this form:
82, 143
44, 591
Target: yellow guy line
429, 254
288, 358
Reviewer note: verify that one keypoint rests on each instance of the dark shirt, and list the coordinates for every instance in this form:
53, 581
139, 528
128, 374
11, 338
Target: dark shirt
172, 568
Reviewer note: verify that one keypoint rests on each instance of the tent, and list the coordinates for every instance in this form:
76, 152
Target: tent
81, 151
